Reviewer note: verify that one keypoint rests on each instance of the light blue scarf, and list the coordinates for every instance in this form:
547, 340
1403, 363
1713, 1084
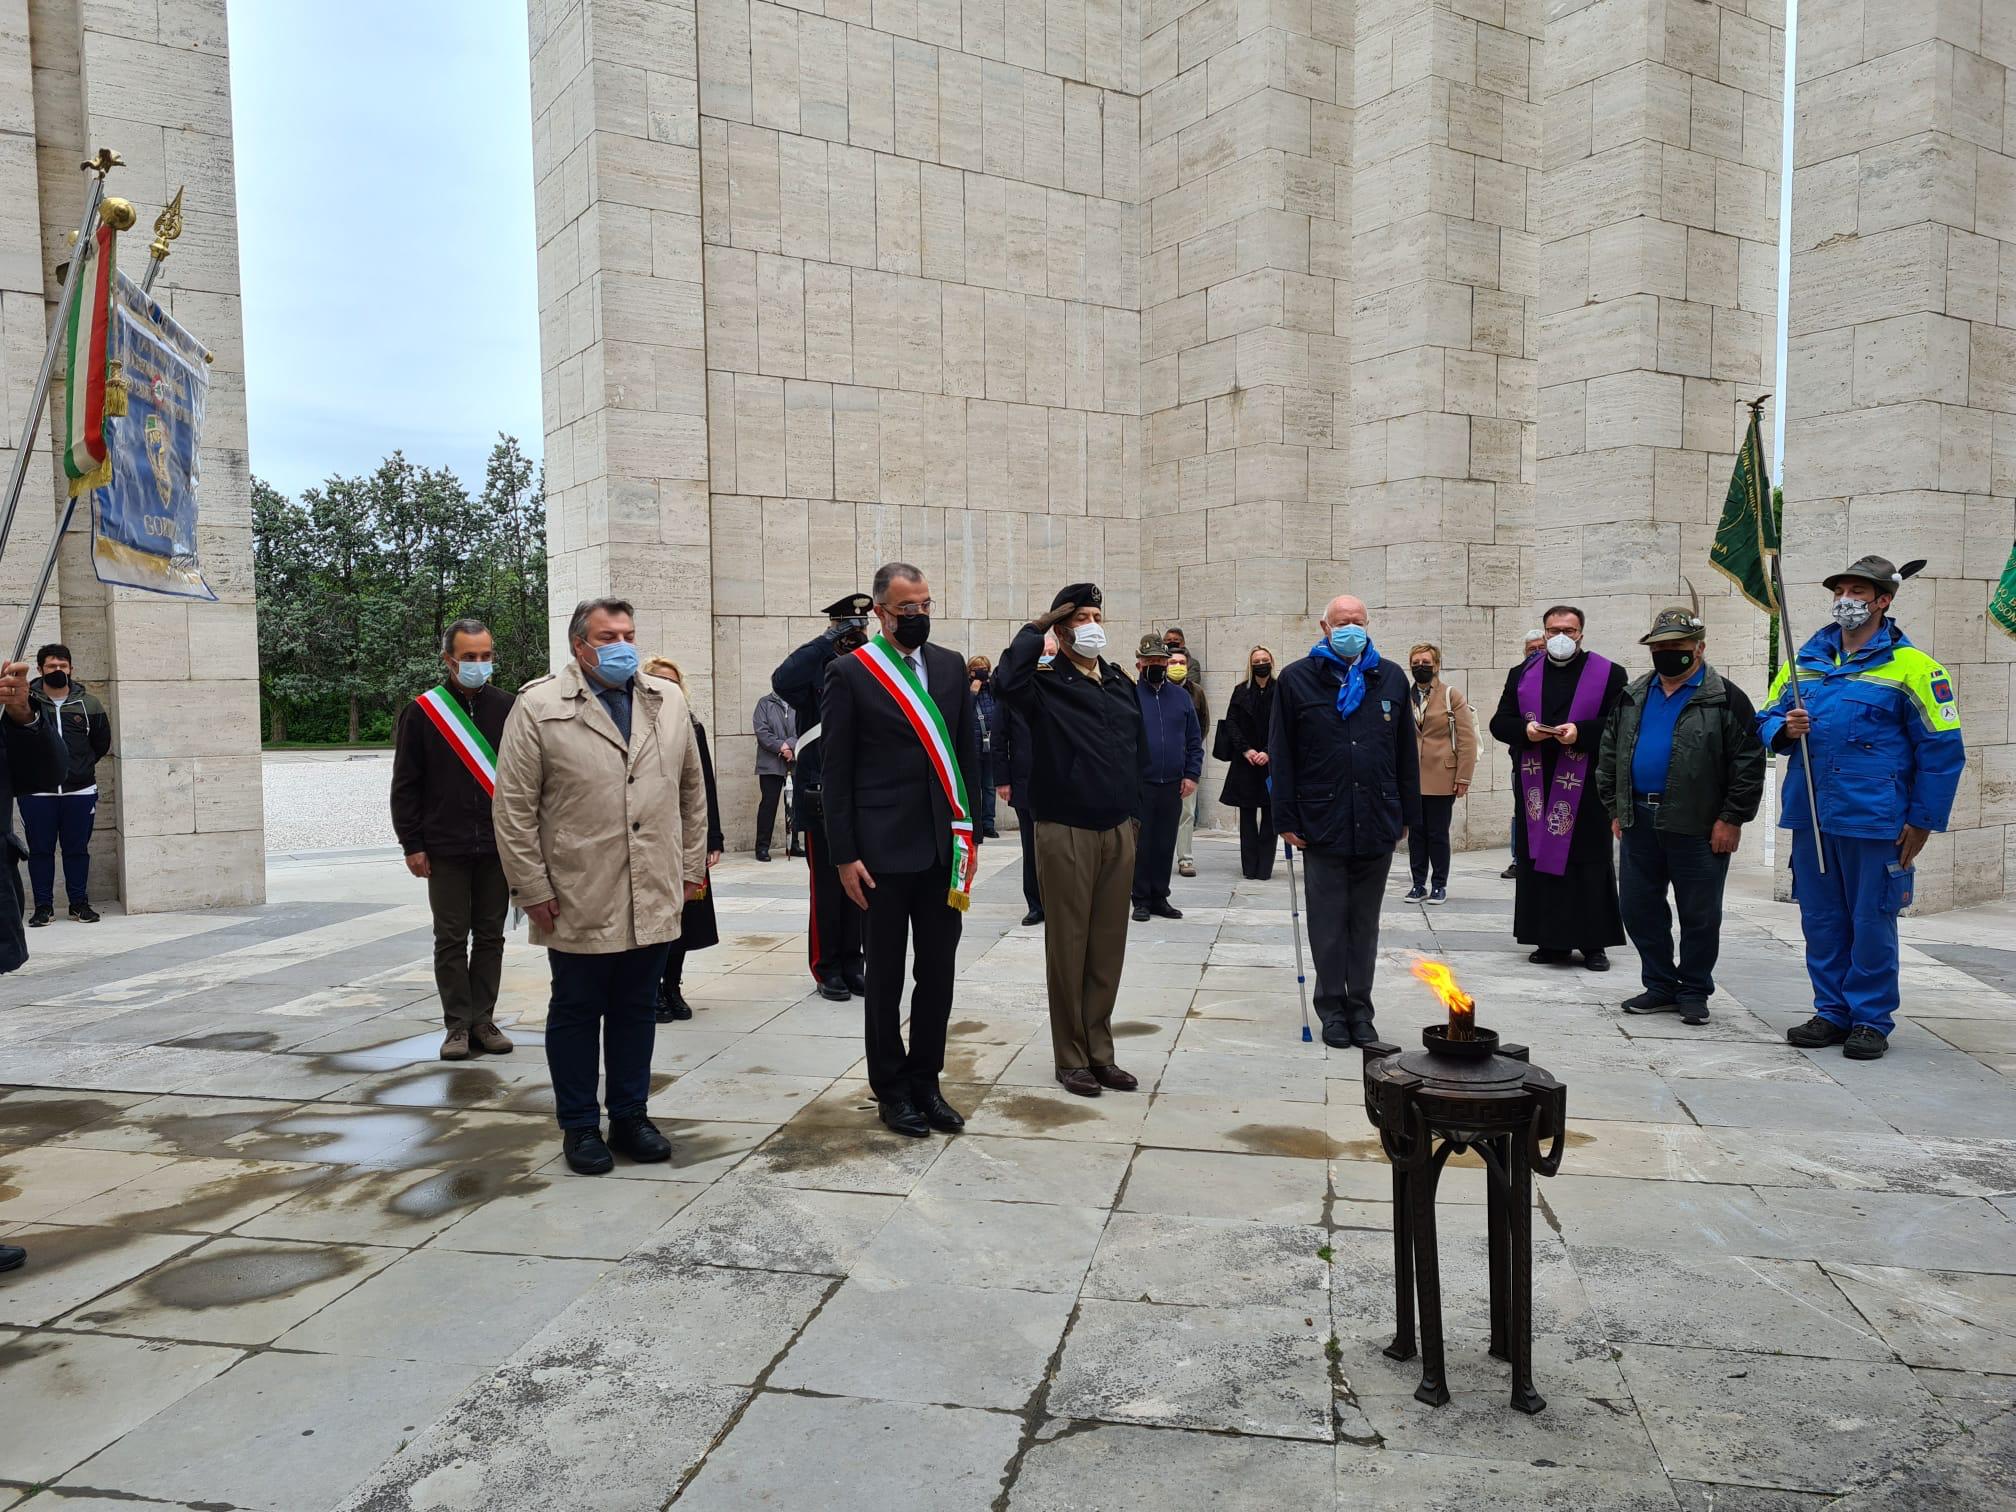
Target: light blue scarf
1352, 693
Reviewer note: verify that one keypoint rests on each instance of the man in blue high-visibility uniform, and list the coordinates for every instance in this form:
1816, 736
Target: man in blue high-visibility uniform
1884, 732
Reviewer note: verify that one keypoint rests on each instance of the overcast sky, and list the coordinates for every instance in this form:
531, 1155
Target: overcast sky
385, 221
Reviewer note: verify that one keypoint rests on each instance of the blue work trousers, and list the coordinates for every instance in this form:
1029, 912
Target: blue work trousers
1850, 920
56, 822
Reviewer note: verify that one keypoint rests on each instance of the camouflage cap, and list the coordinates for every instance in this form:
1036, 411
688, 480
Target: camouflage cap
1676, 622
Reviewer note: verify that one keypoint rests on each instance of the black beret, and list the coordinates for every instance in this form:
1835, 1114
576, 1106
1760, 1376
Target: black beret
1081, 595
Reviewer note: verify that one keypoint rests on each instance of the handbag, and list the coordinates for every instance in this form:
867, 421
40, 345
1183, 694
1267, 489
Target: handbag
1223, 746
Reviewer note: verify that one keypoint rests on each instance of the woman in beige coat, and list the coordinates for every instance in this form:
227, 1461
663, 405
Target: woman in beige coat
1448, 740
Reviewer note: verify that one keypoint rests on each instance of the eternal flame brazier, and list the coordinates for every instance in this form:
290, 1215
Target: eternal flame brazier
1465, 1093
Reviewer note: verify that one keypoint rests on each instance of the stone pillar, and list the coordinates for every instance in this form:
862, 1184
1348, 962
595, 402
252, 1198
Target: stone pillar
1902, 361
1246, 142
1442, 374
181, 815
616, 155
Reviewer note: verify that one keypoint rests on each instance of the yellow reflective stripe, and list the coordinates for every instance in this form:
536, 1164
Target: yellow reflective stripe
1918, 672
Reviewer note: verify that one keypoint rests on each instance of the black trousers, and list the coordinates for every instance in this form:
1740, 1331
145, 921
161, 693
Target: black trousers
1652, 862
1518, 818
1343, 896
1032, 890
469, 899
606, 1004
909, 907
834, 936
1256, 842
1428, 841
770, 790
987, 796
1155, 849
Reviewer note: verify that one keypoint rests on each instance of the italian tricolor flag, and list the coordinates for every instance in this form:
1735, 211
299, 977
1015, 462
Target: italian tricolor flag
86, 457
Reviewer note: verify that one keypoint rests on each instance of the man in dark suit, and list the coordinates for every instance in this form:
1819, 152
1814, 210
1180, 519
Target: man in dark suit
33, 759
900, 731
833, 930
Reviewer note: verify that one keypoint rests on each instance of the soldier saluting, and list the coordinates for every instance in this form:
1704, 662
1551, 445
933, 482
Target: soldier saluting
835, 928
1883, 735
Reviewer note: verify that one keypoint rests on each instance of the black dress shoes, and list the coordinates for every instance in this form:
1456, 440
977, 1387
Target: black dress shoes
833, 990
1596, 960
899, 1114
762, 853
1337, 1036
640, 1140
938, 1113
1140, 913
857, 981
1164, 910
12, 1257
586, 1154
1362, 1033
1545, 957
673, 1008
1034, 916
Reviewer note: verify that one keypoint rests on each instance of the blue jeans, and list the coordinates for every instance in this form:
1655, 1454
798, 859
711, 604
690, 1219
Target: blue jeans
1651, 862
1849, 917
606, 1004
53, 822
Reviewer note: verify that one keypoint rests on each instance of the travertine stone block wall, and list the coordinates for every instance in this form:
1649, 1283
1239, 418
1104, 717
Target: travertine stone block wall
1662, 139
1444, 208
921, 244
1902, 359
180, 818
1246, 141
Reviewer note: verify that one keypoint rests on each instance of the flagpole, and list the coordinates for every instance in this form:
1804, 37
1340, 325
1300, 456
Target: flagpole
1792, 676
17, 478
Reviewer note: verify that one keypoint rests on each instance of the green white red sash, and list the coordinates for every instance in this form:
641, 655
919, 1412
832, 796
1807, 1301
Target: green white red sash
86, 459
464, 739
886, 665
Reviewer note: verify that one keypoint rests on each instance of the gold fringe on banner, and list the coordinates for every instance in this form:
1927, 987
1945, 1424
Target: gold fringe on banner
115, 391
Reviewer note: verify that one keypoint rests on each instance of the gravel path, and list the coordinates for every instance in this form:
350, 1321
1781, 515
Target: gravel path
323, 800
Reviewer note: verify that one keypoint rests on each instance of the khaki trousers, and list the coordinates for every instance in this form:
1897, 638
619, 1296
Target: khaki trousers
1086, 877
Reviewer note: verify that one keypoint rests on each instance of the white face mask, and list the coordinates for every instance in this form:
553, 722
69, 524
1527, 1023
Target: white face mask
1561, 647
1851, 613
1088, 639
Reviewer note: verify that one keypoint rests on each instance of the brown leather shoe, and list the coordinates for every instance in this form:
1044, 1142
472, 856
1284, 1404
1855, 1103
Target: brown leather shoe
1079, 1080
491, 1040
456, 1045
1114, 1077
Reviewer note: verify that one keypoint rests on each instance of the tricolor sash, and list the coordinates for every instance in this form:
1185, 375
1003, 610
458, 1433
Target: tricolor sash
886, 665
1550, 812
448, 716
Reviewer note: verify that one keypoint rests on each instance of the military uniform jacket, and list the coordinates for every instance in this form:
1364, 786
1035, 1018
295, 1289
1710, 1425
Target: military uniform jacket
1088, 749
1885, 741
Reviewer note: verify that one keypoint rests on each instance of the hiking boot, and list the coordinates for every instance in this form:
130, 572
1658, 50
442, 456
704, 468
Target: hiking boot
1417, 894
41, 916
1865, 1043
456, 1045
84, 913
640, 1140
1651, 1002
491, 1040
1816, 1033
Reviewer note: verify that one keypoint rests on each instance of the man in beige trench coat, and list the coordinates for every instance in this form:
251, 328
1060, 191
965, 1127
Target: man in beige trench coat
601, 817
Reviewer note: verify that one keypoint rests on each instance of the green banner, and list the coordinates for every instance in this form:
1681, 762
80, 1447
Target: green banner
2002, 607
1748, 533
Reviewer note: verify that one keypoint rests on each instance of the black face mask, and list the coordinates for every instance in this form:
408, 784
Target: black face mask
1424, 675
1262, 671
57, 680
1673, 663
1154, 675
912, 632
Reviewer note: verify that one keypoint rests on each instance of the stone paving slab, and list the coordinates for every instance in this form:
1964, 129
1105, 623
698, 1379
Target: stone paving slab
282, 1256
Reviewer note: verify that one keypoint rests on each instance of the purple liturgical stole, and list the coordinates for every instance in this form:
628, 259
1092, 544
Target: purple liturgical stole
1550, 811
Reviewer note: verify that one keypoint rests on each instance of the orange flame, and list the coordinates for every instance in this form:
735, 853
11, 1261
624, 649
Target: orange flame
1442, 982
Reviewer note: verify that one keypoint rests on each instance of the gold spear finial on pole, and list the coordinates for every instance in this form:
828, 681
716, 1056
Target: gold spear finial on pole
167, 227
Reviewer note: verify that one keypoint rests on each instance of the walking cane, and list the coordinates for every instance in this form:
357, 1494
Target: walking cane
1295, 927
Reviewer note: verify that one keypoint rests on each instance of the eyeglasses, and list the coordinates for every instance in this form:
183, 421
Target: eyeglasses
909, 611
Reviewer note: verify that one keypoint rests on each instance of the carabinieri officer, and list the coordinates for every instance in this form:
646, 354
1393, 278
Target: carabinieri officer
1884, 732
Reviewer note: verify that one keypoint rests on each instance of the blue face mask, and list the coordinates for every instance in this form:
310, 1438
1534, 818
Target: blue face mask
617, 662
1349, 641
474, 674
1046, 658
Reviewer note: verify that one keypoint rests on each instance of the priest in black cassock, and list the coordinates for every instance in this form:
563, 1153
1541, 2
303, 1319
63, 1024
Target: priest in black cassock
1552, 715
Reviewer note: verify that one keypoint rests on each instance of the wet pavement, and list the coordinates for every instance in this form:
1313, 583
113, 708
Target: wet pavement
282, 1257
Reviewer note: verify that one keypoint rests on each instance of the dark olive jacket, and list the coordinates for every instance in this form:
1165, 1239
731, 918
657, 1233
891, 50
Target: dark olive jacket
1718, 762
